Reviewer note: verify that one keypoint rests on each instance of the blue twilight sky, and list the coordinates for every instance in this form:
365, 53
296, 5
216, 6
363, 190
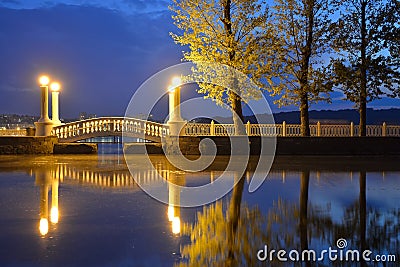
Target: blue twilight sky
101, 51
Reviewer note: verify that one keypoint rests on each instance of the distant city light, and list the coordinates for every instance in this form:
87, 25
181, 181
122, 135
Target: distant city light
44, 80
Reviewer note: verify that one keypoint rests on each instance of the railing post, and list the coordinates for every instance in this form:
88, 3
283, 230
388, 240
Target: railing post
384, 129
212, 128
284, 128
351, 129
248, 128
318, 128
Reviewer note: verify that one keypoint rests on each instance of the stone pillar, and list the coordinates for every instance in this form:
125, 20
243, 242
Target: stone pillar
248, 128
175, 121
384, 129
351, 129
212, 128
44, 125
55, 108
284, 128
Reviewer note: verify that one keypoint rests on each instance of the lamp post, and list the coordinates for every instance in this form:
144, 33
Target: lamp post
175, 120
55, 91
44, 125
44, 104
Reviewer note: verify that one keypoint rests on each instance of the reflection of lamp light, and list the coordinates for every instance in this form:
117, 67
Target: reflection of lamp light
176, 225
43, 226
54, 215
171, 213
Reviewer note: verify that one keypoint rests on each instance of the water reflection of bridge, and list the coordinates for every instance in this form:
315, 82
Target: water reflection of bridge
107, 178
122, 178
99, 174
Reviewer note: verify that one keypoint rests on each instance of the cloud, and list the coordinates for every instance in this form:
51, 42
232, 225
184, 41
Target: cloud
127, 7
99, 55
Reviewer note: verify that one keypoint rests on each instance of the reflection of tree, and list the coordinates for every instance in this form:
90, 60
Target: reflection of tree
370, 228
232, 235
225, 236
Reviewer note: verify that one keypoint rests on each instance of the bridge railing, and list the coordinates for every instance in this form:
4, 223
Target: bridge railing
154, 131
327, 130
110, 126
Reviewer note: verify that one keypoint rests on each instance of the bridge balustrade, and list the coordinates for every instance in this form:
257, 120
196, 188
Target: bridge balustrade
99, 127
115, 126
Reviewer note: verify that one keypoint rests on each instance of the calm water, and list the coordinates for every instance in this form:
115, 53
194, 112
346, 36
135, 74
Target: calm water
105, 219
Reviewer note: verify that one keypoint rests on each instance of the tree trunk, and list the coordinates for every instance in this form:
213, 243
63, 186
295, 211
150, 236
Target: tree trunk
237, 114
304, 118
305, 64
236, 101
363, 213
363, 69
233, 220
304, 184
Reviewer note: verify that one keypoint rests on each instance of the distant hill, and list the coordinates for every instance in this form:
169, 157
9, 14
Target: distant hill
344, 116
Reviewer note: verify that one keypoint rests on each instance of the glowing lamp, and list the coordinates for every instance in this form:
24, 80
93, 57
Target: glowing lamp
44, 80
55, 87
176, 81
54, 215
176, 225
43, 226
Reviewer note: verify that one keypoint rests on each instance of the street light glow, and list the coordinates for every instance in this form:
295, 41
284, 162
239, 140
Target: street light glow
55, 87
44, 80
176, 81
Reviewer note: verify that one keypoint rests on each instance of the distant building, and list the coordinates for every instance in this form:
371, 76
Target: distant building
14, 121
82, 116
85, 116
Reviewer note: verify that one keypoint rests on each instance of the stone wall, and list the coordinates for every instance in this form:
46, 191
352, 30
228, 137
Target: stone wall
348, 146
27, 145
75, 148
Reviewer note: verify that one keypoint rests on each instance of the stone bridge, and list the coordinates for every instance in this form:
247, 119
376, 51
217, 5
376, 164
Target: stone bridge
110, 126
